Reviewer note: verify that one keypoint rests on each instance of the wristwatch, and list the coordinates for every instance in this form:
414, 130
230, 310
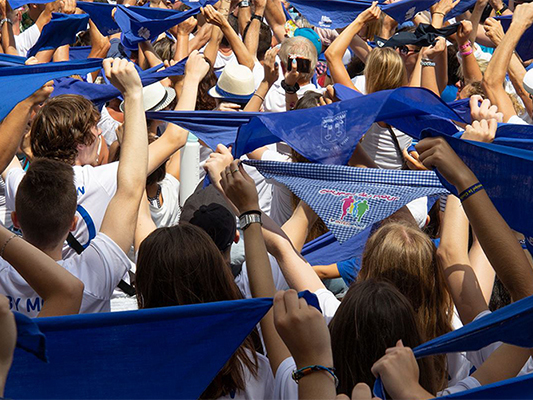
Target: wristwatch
288, 88
244, 3
247, 219
501, 10
257, 17
4, 20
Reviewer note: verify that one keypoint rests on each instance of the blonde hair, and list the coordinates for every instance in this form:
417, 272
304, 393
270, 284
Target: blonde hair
405, 256
384, 70
299, 46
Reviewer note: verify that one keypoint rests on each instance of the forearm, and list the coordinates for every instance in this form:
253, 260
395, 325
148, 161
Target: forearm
441, 70
257, 99
12, 131
499, 243
499, 63
60, 290
471, 70
241, 52
516, 75
182, 47
297, 272
244, 17
61, 54
211, 50
475, 18
132, 170
8, 39
299, 224
151, 59
251, 41
44, 18
276, 18
453, 259
360, 48
429, 79
200, 39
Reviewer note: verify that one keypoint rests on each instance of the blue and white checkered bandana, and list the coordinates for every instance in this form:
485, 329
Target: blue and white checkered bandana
349, 199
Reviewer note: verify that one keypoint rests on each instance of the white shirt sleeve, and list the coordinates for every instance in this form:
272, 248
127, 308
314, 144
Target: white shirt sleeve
465, 384
328, 303
13, 179
477, 358
285, 387
515, 119
27, 39
100, 267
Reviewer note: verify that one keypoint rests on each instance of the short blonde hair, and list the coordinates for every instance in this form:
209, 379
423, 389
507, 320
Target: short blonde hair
384, 70
299, 46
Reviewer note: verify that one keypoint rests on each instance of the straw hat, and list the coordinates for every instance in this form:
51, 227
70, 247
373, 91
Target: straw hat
236, 83
155, 97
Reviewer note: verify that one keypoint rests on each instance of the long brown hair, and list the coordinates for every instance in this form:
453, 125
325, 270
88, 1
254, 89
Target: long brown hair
372, 317
405, 256
181, 265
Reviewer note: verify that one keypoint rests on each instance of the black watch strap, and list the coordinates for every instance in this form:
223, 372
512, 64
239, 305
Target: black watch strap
288, 88
257, 17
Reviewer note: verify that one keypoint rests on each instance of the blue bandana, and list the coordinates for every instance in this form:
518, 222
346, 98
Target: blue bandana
100, 14
20, 82
105, 355
524, 48
61, 30
350, 199
333, 14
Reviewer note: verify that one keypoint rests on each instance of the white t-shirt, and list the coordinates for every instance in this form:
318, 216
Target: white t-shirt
27, 39
275, 98
100, 267
170, 211
5, 213
281, 206
95, 187
108, 125
260, 387
515, 119
380, 147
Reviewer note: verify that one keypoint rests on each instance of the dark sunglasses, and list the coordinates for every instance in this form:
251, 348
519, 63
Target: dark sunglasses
404, 50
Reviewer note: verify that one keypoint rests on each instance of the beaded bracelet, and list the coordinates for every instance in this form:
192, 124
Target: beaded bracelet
468, 192
13, 236
300, 373
466, 45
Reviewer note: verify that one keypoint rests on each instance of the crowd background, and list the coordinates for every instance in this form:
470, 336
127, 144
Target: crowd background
103, 209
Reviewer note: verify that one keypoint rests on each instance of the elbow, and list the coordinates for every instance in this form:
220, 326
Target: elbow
330, 54
443, 256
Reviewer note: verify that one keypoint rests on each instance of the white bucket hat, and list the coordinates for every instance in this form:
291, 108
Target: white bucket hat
528, 81
236, 83
155, 97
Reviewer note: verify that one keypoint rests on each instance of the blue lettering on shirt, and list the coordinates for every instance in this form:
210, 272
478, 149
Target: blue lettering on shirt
81, 190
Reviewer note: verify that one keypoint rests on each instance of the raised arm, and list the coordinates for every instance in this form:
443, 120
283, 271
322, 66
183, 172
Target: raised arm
61, 291
14, 125
496, 238
271, 76
121, 215
430, 58
175, 137
212, 16
337, 49
469, 65
499, 64
251, 40
8, 38
240, 189
182, 42
211, 50
276, 18
516, 69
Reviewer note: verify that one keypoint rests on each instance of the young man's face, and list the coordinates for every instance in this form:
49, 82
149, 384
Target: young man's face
88, 154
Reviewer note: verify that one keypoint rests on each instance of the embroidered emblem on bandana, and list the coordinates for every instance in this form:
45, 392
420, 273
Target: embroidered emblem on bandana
350, 199
144, 33
325, 22
410, 13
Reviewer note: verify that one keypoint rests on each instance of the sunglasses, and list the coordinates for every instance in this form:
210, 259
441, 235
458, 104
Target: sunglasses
405, 51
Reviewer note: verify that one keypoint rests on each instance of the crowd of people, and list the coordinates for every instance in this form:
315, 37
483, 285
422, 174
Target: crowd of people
94, 216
